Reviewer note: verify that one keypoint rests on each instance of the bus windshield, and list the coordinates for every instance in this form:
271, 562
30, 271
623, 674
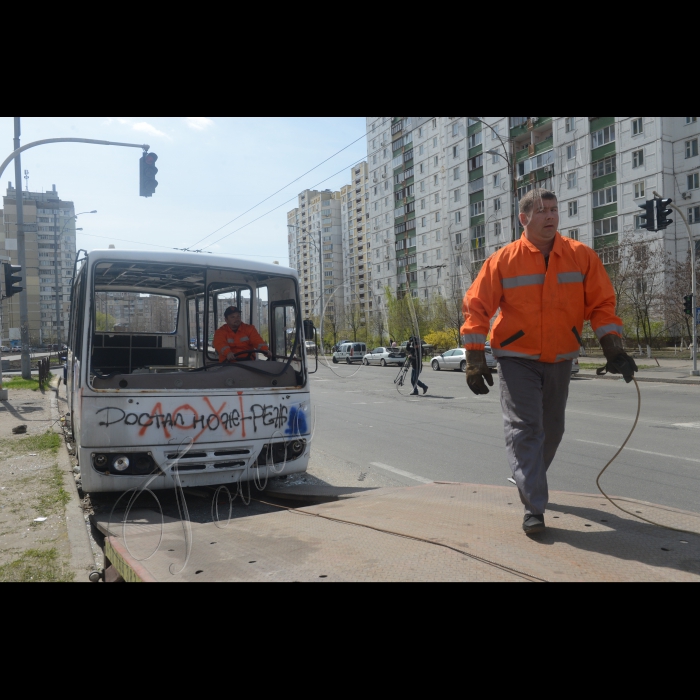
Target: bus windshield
157, 326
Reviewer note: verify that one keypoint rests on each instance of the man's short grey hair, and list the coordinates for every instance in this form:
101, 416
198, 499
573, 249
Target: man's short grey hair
527, 203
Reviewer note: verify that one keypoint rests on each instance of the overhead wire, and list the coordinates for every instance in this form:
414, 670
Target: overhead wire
280, 190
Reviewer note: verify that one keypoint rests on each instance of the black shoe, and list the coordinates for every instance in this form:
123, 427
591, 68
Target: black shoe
415, 393
425, 391
534, 524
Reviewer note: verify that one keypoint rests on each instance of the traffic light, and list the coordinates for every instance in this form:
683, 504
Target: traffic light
148, 174
647, 218
12, 277
662, 214
688, 308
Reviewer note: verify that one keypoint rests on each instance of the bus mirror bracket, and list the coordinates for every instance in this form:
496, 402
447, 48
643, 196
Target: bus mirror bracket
310, 334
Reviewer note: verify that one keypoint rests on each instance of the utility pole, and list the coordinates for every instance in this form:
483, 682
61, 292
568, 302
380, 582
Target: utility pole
59, 294
323, 281
22, 258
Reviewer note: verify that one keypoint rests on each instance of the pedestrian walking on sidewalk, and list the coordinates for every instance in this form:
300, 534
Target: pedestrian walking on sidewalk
545, 286
413, 350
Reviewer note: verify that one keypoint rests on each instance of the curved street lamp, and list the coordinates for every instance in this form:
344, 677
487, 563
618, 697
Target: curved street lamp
57, 280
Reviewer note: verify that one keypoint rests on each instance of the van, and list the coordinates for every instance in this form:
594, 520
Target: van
350, 352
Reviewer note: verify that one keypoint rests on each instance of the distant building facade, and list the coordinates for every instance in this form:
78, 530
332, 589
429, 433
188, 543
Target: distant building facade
50, 248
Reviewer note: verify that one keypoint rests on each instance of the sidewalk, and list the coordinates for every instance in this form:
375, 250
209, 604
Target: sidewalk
670, 371
39, 506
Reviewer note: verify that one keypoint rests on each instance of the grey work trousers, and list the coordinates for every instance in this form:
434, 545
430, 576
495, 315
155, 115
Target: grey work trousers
533, 398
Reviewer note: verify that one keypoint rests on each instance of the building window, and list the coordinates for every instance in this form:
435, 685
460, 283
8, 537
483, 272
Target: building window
637, 126
605, 227
573, 209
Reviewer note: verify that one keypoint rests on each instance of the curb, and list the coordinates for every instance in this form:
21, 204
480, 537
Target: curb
642, 380
82, 561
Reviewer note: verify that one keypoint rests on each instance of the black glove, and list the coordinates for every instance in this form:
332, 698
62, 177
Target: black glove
619, 362
477, 371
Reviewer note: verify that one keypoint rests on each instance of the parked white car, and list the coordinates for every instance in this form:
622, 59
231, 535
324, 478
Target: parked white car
456, 360
385, 357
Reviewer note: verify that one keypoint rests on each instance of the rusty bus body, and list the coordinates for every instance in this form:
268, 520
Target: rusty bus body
150, 402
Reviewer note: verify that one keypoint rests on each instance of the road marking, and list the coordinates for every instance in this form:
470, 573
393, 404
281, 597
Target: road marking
359, 404
401, 472
694, 426
644, 452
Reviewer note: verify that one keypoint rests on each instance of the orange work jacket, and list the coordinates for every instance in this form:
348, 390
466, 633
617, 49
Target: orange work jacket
245, 338
542, 309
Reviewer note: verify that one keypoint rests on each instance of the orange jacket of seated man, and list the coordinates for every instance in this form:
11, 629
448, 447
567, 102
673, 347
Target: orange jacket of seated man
236, 337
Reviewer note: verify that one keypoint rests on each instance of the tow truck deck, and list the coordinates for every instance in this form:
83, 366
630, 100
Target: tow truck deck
436, 532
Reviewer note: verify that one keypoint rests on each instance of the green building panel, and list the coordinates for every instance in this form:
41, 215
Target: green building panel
600, 183
476, 151
605, 212
474, 128
478, 220
601, 122
476, 174
606, 241
546, 145
603, 152
476, 197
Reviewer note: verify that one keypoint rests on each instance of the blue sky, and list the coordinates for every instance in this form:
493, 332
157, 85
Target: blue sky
211, 170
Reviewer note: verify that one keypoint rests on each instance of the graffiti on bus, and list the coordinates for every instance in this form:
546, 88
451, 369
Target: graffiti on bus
211, 420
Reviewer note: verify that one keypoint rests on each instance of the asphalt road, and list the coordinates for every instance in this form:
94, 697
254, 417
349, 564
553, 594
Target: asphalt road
365, 431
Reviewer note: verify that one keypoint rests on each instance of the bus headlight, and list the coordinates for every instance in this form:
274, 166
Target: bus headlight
121, 463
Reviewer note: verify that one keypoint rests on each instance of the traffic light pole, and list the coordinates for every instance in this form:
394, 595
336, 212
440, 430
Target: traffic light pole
22, 259
695, 372
19, 150
21, 252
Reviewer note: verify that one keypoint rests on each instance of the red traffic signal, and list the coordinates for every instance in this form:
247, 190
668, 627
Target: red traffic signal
149, 171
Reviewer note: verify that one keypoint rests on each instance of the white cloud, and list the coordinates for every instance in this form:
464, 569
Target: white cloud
149, 129
199, 123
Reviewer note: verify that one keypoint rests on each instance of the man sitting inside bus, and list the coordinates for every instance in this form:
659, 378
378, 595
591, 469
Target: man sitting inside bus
237, 341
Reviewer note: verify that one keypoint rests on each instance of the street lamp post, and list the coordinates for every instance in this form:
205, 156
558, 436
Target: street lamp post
511, 171
319, 249
57, 280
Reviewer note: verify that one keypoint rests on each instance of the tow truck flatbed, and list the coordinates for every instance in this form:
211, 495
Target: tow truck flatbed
435, 532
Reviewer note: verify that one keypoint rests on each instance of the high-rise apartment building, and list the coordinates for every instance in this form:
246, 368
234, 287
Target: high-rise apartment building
443, 191
357, 264
50, 256
315, 251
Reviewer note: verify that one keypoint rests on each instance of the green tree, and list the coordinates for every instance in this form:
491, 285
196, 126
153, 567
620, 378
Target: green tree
104, 322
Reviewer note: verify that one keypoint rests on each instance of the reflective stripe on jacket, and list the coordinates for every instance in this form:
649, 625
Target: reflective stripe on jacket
542, 309
227, 341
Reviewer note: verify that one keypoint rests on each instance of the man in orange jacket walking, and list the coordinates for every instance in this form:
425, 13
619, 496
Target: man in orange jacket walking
545, 286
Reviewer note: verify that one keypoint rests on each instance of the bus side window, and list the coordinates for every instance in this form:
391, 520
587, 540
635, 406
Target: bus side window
285, 329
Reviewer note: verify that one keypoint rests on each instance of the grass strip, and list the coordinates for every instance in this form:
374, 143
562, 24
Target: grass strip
19, 383
36, 566
47, 442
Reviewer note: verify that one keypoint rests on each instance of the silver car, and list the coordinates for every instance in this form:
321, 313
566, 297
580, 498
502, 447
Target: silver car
385, 357
456, 360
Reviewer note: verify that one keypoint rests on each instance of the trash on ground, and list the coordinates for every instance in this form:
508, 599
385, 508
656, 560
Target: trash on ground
19, 430
40, 520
